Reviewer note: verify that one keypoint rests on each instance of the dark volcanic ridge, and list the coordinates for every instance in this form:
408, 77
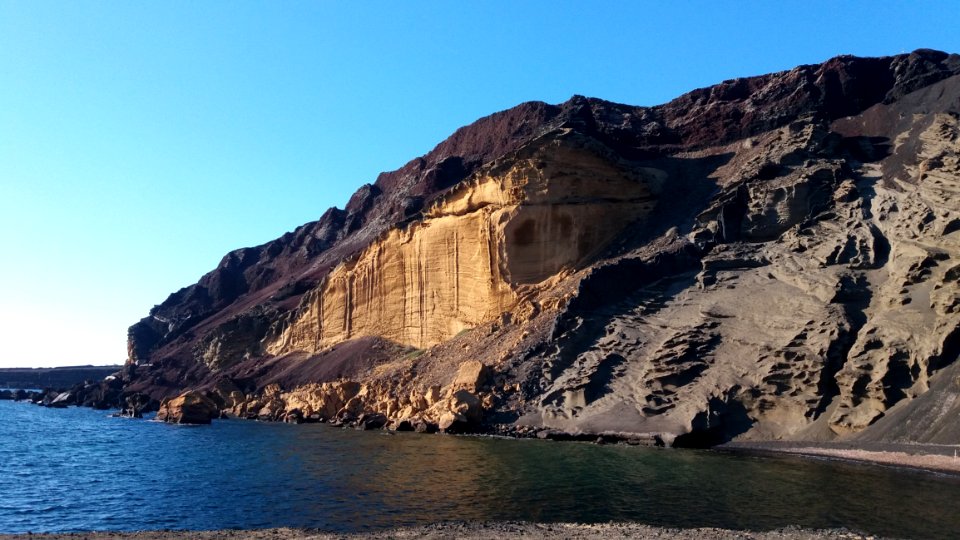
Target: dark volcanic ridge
773, 257
57, 377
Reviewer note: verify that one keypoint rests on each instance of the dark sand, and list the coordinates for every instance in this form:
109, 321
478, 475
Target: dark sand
927, 457
472, 531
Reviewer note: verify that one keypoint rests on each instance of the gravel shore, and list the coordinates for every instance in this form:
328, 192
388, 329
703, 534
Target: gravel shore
472, 531
927, 457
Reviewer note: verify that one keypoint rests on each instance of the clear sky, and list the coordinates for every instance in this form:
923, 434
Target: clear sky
141, 141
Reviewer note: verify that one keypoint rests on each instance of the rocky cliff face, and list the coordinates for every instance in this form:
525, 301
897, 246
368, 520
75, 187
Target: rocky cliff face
533, 215
770, 258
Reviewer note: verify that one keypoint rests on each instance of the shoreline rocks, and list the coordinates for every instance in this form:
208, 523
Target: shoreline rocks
188, 408
773, 257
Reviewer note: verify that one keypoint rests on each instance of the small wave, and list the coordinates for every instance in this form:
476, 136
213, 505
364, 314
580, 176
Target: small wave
38, 511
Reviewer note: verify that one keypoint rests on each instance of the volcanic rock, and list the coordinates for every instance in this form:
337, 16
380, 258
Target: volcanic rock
62, 400
451, 422
188, 408
371, 421
471, 376
403, 425
773, 257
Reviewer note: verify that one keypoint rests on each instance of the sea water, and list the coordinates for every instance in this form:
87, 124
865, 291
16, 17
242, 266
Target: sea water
79, 469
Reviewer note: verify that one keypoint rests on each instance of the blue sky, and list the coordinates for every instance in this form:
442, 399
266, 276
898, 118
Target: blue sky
139, 142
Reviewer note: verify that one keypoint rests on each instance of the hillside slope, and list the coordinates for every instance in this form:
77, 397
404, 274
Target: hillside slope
775, 257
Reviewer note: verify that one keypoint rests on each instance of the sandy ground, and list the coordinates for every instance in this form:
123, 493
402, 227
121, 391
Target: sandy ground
472, 531
928, 457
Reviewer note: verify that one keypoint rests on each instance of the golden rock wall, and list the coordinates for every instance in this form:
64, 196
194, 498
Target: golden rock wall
462, 264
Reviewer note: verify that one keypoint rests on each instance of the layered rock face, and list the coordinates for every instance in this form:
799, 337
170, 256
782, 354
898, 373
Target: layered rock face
522, 222
770, 258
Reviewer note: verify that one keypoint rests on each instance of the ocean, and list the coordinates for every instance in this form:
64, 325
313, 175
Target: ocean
78, 469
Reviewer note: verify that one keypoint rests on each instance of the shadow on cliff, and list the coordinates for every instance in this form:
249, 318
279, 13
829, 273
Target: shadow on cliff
616, 288
689, 186
855, 294
624, 281
352, 360
720, 423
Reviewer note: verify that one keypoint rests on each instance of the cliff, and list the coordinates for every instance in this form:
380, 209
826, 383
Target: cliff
773, 257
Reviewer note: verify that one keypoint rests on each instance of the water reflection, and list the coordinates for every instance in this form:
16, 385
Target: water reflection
76, 469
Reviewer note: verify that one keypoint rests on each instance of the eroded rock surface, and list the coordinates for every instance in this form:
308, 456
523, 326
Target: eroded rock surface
775, 257
188, 408
536, 213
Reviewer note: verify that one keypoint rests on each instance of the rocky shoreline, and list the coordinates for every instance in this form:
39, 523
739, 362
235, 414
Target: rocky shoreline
474, 531
772, 257
456, 409
101, 395
466, 405
683, 275
944, 459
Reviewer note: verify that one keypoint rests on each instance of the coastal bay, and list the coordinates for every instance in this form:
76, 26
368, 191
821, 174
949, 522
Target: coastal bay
77, 469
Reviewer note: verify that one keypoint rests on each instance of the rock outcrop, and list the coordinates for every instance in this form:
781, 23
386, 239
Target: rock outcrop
188, 408
775, 257
531, 216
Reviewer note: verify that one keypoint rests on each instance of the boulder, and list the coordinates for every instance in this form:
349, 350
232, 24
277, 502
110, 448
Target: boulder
134, 405
371, 421
100, 395
467, 404
268, 412
294, 416
226, 394
271, 408
471, 376
403, 425
451, 422
462, 413
432, 396
62, 400
6, 394
422, 426
46, 397
353, 407
191, 407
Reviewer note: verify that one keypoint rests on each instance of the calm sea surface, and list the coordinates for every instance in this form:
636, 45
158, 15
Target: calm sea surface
77, 469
